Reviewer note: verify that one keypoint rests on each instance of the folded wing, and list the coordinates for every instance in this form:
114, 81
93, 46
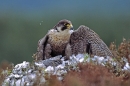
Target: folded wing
42, 43
85, 40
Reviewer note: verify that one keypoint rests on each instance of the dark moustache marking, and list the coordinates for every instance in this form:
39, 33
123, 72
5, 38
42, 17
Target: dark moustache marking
65, 27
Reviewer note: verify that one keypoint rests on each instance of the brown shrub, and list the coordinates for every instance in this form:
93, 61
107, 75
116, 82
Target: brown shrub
94, 75
4, 66
123, 50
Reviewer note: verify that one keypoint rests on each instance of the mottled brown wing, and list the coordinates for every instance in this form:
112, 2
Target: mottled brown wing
85, 40
40, 54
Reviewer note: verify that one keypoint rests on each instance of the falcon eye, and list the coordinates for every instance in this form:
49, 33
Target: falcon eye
67, 24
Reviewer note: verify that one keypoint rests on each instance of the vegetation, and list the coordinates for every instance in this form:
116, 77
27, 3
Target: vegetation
89, 74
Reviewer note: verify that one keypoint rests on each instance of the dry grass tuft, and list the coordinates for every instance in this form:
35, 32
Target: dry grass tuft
93, 75
5, 69
123, 50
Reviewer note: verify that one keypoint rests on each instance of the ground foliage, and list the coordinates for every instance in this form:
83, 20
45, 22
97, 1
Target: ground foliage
89, 74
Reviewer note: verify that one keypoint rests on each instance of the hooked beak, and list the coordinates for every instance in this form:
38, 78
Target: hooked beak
71, 27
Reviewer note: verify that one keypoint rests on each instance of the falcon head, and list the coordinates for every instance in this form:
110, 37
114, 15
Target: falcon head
63, 25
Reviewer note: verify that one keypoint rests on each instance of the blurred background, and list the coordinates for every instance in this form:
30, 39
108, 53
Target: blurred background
24, 22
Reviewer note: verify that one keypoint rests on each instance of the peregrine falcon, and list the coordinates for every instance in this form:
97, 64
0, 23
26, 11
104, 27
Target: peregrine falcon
55, 41
63, 40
